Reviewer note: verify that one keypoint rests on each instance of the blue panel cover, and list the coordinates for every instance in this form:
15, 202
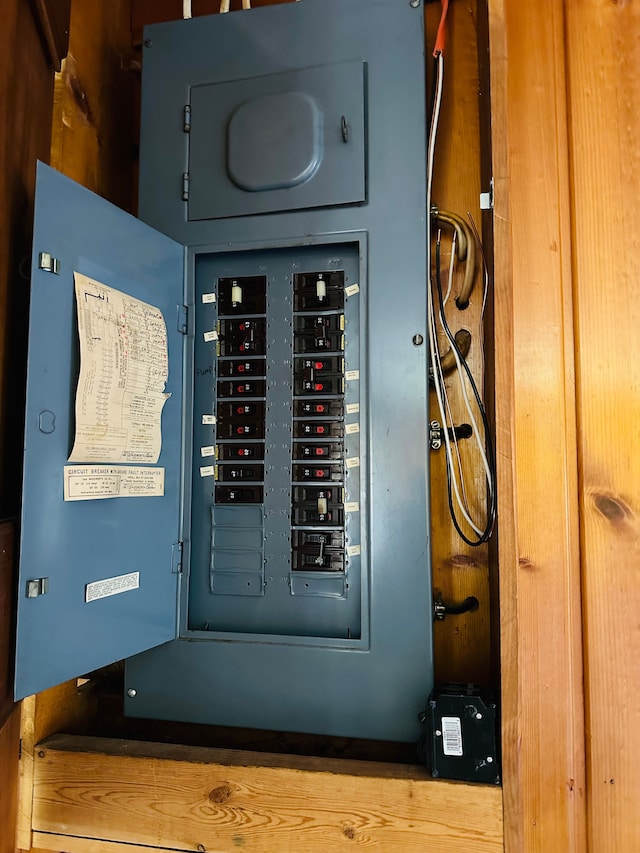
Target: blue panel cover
72, 544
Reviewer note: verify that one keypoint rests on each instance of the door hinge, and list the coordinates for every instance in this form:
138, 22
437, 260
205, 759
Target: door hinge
176, 558
37, 586
183, 319
48, 263
185, 186
187, 118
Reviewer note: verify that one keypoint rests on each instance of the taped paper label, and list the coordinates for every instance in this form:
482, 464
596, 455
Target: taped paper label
208, 419
350, 429
211, 336
111, 586
352, 506
124, 367
208, 297
353, 550
353, 408
208, 471
208, 451
353, 462
350, 375
352, 289
94, 482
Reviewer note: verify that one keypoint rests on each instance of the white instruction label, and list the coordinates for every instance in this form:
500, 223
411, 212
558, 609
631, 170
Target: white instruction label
208, 471
353, 462
208, 451
208, 298
93, 482
111, 586
352, 289
451, 736
208, 419
353, 408
351, 375
353, 550
350, 429
211, 336
352, 506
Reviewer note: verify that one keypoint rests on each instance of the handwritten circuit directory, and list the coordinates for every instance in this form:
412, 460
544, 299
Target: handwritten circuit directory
124, 367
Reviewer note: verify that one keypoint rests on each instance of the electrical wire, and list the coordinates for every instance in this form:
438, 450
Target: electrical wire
486, 454
453, 489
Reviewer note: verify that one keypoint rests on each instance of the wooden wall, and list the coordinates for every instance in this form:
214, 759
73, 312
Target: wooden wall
603, 64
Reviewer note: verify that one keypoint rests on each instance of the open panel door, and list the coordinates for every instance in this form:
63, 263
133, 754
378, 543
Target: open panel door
76, 554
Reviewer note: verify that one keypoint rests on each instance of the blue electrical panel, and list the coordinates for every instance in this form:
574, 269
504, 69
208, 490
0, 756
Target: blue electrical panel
283, 155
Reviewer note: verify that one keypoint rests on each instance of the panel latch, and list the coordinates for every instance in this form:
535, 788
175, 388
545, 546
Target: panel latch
37, 586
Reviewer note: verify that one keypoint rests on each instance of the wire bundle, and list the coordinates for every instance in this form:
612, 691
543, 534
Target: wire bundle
457, 495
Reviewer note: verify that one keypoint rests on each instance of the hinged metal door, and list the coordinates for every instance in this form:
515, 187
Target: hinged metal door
97, 579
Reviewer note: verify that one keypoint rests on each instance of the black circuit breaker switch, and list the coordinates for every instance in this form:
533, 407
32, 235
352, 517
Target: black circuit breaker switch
461, 735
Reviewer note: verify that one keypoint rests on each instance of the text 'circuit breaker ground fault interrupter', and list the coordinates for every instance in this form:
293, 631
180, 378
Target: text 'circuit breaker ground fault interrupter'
269, 566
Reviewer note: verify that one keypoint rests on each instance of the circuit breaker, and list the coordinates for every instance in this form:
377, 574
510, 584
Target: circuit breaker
283, 577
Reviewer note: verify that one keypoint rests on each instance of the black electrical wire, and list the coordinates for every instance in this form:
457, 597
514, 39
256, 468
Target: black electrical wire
492, 508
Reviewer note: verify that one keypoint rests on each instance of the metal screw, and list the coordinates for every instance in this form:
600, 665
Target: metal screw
132, 693
438, 733
418, 340
489, 759
41, 754
414, 3
148, 42
478, 716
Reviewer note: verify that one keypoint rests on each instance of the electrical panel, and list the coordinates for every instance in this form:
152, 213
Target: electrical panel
283, 174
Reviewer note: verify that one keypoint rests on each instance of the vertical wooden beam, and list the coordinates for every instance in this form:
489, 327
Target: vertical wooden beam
541, 651
603, 52
9, 746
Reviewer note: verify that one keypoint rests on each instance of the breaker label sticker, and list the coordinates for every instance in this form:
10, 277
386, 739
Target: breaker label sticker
452, 736
208, 419
208, 298
351, 375
352, 289
353, 550
208, 471
111, 586
353, 408
353, 462
208, 451
350, 429
211, 336
352, 506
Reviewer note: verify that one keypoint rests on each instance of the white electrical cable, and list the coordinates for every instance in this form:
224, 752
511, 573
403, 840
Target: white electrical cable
451, 266
186, 8
441, 395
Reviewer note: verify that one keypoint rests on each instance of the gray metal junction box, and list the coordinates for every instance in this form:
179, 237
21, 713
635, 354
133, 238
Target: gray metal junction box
283, 577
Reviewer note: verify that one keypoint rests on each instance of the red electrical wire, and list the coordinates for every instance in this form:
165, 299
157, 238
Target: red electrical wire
441, 36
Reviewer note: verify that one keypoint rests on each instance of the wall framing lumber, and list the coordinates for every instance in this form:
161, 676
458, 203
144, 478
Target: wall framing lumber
189, 798
603, 62
538, 550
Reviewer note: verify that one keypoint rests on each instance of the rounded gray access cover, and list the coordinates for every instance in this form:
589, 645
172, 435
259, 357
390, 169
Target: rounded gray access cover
275, 142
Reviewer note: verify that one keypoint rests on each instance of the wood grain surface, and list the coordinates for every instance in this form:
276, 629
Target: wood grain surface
539, 569
9, 750
604, 88
222, 800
